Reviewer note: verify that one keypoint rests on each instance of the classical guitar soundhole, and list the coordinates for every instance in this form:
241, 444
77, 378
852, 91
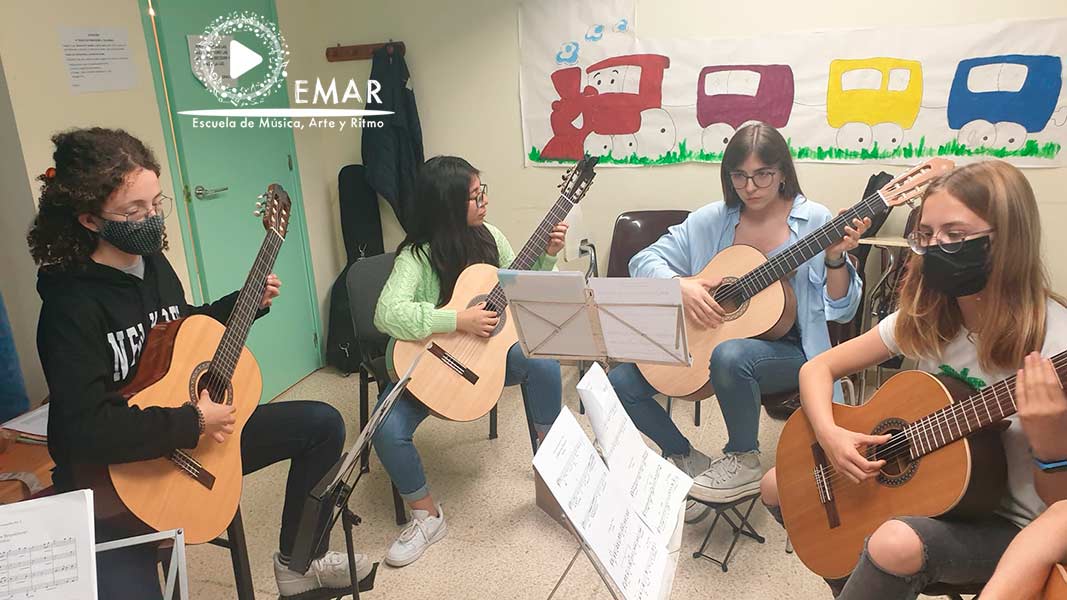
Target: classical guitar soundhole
730, 299
899, 468
503, 313
200, 380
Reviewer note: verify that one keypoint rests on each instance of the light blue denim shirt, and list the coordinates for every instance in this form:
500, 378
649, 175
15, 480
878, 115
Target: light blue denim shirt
688, 247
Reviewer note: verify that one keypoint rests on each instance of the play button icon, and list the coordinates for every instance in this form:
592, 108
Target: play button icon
242, 59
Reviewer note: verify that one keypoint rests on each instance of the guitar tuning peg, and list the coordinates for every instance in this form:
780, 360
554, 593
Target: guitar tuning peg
262, 196
257, 213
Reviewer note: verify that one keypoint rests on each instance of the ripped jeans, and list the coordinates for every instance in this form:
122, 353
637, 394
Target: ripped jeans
954, 552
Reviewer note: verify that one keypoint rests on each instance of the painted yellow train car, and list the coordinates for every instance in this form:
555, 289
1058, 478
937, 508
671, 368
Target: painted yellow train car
874, 90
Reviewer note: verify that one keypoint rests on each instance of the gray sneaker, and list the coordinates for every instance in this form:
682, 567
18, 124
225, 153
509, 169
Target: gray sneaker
729, 478
693, 465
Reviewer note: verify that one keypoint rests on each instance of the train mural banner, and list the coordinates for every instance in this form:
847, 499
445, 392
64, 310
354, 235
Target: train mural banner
590, 84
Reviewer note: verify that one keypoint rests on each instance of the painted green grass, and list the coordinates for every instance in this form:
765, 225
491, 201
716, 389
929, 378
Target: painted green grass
683, 154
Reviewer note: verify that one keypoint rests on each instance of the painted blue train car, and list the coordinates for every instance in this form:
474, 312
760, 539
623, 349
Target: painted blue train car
1033, 85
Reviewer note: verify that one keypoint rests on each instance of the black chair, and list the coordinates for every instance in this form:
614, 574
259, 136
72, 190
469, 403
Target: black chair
634, 231
366, 278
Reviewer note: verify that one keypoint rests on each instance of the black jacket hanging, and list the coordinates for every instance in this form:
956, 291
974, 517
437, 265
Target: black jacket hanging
393, 153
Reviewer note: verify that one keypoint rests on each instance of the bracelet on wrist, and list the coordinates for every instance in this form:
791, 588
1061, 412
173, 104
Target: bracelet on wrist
199, 417
835, 264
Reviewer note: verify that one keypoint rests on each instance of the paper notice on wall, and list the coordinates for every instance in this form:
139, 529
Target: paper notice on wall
97, 59
211, 60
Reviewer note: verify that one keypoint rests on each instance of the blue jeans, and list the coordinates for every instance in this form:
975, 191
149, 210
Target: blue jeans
740, 371
393, 441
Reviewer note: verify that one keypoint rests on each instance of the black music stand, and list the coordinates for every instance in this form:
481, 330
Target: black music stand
329, 500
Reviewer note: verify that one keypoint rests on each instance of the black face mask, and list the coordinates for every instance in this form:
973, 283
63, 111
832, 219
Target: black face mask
140, 237
960, 274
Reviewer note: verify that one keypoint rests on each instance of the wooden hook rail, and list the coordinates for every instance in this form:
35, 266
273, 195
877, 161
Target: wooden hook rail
340, 53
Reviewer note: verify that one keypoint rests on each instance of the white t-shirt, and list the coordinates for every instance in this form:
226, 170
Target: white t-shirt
1020, 504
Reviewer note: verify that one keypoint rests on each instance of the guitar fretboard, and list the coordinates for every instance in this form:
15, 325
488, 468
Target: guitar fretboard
244, 313
756, 280
989, 405
533, 249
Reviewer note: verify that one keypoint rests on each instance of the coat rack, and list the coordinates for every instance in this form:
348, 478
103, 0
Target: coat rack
340, 53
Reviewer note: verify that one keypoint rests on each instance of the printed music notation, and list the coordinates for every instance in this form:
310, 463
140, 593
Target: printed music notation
43, 566
47, 548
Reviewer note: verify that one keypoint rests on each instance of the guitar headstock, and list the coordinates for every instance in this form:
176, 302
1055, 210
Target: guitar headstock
909, 186
275, 208
577, 179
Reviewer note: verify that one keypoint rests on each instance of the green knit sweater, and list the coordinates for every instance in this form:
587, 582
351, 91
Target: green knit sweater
407, 308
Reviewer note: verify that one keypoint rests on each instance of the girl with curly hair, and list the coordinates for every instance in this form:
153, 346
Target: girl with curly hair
104, 282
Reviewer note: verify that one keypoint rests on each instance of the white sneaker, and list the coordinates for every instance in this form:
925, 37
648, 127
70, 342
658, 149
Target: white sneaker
695, 511
422, 531
729, 478
693, 464
328, 572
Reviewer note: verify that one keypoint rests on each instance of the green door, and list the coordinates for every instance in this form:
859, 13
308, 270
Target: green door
239, 163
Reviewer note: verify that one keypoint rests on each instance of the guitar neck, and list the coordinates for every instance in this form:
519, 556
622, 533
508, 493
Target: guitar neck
958, 420
533, 249
245, 309
807, 247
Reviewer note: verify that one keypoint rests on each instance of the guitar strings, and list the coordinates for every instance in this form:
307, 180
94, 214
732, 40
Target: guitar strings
903, 441
763, 275
470, 345
228, 352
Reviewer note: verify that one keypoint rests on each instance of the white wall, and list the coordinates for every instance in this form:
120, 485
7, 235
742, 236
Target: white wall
19, 276
464, 61
42, 104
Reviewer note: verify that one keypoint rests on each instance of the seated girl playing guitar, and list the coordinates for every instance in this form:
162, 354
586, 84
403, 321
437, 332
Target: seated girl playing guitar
977, 299
104, 281
449, 233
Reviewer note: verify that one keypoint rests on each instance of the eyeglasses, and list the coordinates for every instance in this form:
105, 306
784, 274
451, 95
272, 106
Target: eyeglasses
950, 242
479, 197
762, 178
141, 210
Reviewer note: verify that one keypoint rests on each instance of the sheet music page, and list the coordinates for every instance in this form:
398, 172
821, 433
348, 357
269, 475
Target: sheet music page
48, 548
542, 302
616, 534
657, 487
639, 318
34, 422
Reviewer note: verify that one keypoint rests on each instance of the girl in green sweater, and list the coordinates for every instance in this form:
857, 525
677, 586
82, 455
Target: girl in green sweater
449, 233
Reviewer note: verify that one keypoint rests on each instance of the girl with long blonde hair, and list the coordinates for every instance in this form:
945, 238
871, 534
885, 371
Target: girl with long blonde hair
976, 297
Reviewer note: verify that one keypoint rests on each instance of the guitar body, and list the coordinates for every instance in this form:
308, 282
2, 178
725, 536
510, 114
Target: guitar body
156, 492
965, 478
463, 377
768, 315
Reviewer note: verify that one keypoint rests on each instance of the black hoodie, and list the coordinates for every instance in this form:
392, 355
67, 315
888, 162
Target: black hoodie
93, 325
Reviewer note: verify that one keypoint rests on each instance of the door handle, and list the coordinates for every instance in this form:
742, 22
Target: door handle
201, 192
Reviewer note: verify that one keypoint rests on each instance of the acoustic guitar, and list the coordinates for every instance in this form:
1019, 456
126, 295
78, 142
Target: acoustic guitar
943, 459
463, 375
757, 300
197, 490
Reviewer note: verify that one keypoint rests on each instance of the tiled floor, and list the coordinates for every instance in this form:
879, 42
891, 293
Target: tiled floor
499, 544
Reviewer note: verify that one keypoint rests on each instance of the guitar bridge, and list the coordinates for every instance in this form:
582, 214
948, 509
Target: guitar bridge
822, 476
453, 363
192, 467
